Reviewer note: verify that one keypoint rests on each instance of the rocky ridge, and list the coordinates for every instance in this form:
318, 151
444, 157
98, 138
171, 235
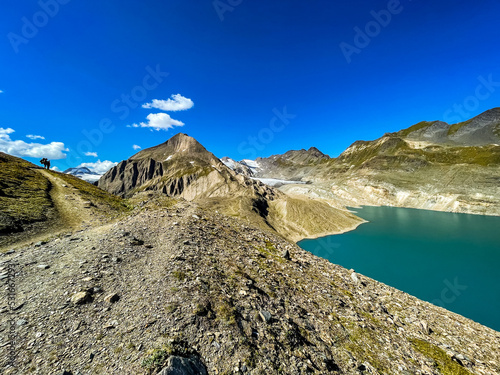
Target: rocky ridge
173, 284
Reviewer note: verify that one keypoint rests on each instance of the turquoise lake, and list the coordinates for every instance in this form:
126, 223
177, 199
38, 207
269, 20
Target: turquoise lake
451, 260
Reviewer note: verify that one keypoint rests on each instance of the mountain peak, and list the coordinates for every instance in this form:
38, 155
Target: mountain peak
179, 144
483, 129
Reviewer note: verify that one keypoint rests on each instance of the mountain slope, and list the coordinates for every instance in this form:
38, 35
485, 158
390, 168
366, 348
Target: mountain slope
183, 168
430, 165
483, 129
176, 280
35, 202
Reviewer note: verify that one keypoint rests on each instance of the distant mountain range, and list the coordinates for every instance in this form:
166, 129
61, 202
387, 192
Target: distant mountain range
84, 173
183, 168
429, 165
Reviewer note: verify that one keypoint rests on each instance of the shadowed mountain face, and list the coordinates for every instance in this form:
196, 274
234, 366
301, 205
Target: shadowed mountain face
180, 167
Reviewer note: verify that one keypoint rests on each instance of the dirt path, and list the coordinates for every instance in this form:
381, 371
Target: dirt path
72, 213
68, 202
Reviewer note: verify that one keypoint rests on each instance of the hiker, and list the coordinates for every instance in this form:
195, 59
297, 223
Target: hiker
45, 162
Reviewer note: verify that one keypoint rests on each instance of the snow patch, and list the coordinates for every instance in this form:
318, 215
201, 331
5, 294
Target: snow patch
276, 182
90, 177
250, 163
230, 163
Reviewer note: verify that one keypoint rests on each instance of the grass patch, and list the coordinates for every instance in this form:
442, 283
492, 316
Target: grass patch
156, 358
444, 363
413, 128
24, 194
456, 127
171, 308
226, 312
179, 275
483, 156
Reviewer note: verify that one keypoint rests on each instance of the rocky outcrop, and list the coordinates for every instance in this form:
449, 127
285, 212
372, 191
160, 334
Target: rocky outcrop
129, 175
238, 167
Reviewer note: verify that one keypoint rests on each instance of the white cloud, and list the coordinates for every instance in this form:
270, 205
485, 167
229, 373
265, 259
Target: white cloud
4, 132
99, 166
94, 154
55, 169
31, 136
136, 147
176, 103
1, 91
158, 121
53, 150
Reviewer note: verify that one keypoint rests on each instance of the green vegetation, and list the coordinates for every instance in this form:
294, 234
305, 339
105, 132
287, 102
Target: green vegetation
171, 308
484, 156
443, 362
189, 170
24, 193
393, 152
226, 311
456, 127
413, 128
179, 275
391, 146
156, 358
364, 345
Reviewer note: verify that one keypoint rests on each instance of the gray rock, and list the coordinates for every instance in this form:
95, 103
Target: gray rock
354, 277
265, 316
136, 242
43, 266
80, 298
21, 322
424, 327
112, 298
183, 366
286, 255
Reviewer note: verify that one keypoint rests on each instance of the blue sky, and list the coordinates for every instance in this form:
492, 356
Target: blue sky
251, 78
